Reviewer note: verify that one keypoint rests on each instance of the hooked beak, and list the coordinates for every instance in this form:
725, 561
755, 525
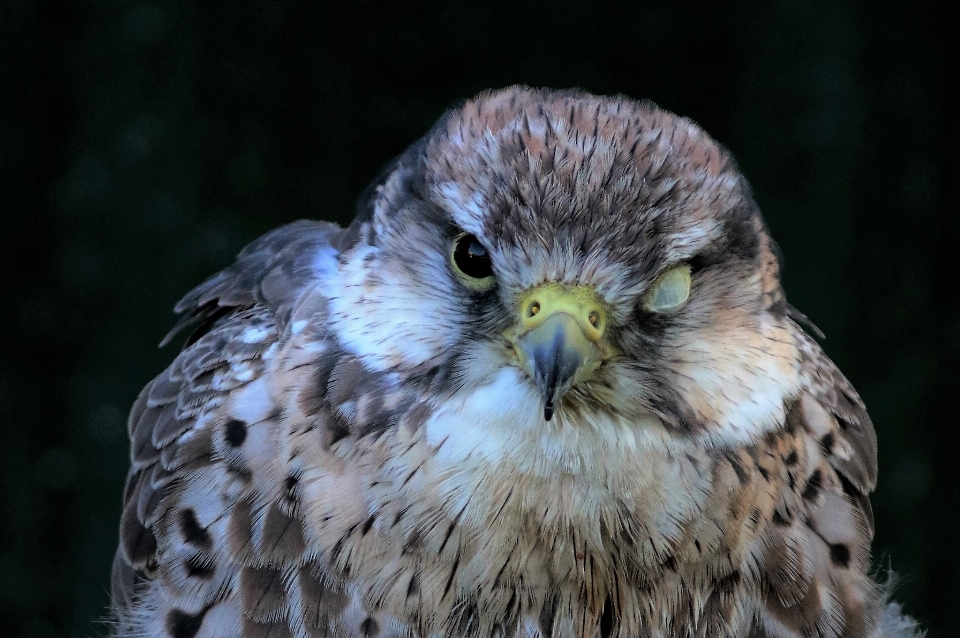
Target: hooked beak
558, 339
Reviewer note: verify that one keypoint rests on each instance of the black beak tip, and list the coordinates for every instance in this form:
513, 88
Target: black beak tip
548, 411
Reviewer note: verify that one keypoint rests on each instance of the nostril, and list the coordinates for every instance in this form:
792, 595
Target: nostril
594, 318
533, 309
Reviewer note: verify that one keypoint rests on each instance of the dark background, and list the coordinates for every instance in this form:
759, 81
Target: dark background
142, 144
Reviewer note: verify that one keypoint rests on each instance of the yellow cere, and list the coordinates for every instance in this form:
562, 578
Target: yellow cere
670, 291
580, 302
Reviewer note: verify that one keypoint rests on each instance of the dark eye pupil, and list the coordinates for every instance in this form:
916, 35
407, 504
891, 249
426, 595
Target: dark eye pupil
472, 258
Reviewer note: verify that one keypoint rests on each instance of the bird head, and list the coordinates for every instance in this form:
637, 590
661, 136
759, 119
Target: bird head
580, 257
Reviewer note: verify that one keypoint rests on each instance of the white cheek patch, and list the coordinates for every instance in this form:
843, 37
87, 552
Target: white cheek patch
387, 318
739, 381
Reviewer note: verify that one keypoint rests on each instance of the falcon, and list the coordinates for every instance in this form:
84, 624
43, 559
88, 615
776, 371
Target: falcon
546, 384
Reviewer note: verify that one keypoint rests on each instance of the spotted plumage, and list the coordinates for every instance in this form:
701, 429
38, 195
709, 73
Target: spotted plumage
546, 384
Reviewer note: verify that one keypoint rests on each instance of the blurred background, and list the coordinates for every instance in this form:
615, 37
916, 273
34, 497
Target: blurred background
142, 144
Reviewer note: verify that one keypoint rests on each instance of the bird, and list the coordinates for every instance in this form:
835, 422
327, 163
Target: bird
545, 384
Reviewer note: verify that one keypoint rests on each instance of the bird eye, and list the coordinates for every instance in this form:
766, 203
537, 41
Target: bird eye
670, 291
472, 261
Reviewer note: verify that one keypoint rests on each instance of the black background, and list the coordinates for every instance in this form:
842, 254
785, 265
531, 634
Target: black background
142, 144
